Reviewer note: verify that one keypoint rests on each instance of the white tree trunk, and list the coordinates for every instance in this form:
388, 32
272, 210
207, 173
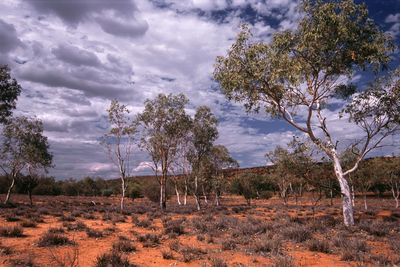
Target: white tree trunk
348, 214
9, 191
353, 194
204, 194
186, 192
123, 192
396, 195
217, 198
177, 194
196, 193
365, 201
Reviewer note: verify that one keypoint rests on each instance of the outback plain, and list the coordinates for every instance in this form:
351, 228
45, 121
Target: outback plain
92, 231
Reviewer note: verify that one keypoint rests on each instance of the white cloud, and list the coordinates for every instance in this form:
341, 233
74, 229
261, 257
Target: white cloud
72, 58
395, 28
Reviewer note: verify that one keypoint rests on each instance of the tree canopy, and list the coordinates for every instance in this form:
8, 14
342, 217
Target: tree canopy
9, 92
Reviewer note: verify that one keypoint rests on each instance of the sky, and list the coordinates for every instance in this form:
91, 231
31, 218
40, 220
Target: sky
72, 57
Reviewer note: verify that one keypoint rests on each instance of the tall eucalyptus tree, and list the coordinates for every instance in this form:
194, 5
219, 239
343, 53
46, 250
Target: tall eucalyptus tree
205, 132
163, 123
300, 70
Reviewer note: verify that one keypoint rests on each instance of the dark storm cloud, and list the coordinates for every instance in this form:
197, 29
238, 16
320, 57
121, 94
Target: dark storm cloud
8, 37
76, 56
104, 11
91, 83
73, 12
117, 28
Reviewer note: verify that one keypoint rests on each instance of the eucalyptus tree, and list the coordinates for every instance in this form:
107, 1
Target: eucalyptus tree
299, 71
204, 132
9, 92
282, 174
119, 141
162, 123
220, 159
181, 162
302, 166
24, 149
369, 173
247, 184
392, 172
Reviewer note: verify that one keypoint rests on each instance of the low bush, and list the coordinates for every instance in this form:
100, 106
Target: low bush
64, 218
4, 251
78, 226
112, 259
218, 262
94, 233
283, 261
351, 249
319, 245
124, 246
50, 239
145, 223
28, 223
174, 226
191, 253
228, 244
11, 231
267, 245
12, 217
167, 254
395, 246
297, 233
149, 240
58, 230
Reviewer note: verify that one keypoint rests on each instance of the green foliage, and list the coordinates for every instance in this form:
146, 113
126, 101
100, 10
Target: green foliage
247, 184
135, 189
9, 92
24, 148
47, 186
205, 132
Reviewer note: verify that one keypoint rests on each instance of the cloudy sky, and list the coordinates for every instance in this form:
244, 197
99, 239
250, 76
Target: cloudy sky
72, 57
